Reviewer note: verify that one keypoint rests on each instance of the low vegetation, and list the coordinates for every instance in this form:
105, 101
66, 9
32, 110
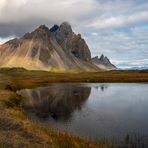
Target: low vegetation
21, 78
17, 130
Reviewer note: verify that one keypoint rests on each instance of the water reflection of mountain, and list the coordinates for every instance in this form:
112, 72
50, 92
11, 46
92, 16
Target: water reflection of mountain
57, 100
102, 87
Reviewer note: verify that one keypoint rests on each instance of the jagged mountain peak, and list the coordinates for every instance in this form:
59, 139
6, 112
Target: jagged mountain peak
40, 32
65, 25
65, 28
103, 62
102, 56
61, 32
104, 59
42, 28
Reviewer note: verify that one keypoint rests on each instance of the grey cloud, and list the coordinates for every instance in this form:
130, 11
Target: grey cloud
112, 27
131, 63
120, 21
17, 16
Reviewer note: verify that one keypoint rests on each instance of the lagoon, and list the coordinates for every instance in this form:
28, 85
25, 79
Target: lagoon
91, 110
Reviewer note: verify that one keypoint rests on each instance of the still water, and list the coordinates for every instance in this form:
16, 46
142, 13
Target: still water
92, 110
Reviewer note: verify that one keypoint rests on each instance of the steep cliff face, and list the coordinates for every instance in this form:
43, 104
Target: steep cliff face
71, 42
104, 63
44, 49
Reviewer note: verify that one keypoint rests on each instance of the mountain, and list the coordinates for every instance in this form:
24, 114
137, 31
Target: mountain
47, 49
103, 63
55, 49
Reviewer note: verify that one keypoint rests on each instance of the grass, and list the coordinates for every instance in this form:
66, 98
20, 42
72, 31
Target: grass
21, 78
16, 130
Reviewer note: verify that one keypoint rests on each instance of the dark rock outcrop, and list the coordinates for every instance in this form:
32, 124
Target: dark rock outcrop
72, 42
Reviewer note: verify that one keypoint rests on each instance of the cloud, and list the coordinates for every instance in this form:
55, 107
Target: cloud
18, 16
94, 33
120, 20
119, 14
131, 63
117, 28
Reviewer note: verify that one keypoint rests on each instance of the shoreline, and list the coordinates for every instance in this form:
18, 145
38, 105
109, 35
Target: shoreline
18, 130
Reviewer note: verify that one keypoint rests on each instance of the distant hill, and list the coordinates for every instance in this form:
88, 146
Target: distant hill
57, 48
138, 68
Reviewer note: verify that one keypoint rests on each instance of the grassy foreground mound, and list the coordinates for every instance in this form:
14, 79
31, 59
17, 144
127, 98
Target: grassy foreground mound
16, 130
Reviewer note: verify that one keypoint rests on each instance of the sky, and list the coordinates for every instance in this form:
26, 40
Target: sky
115, 28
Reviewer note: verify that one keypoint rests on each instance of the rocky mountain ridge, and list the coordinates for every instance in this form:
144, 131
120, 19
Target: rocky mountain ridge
57, 48
103, 63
